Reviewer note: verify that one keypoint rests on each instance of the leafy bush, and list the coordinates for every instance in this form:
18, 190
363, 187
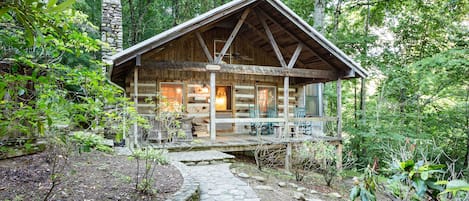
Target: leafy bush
365, 189
150, 158
87, 141
458, 189
319, 157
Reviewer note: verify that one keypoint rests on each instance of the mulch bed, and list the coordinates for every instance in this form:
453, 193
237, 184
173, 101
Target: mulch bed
89, 176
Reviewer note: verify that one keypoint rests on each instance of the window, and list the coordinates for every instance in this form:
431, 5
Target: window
218, 46
266, 99
173, 93
223, 98
312, 99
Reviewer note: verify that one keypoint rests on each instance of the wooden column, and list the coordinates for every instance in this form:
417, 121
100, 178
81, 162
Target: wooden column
286, 86
339, 123
321, 104
136, 103
288, 157
137, 65
212, 107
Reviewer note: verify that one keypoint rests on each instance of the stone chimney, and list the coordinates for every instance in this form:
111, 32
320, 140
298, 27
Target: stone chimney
111, 29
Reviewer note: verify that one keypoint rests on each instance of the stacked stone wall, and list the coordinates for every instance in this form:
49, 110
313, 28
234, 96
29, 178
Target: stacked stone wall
111, 28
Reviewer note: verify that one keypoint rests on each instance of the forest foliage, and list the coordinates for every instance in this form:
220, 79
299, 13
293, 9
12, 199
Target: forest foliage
51, 74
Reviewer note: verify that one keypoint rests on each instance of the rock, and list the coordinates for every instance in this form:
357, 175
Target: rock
301, 189
267, 188
293, 185
233, 171
313, 199
313, 192
299, 196
243, 175
203, 163
190, 163
334, 195
282, 184
259, 178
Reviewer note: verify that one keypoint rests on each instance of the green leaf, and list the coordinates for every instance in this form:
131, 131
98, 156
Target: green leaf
61, 7
420, 187
354, 193
455, 186
3, 10
407, 164
442, 182
424, 175
51, 3
21, 92
458, 184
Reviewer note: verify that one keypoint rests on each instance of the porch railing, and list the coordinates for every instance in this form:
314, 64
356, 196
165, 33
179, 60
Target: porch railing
328, 124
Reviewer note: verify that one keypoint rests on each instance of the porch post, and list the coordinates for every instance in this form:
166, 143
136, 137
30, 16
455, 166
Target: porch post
212, 107
288, 157
322, 103
286, 85
339, 123
136, 103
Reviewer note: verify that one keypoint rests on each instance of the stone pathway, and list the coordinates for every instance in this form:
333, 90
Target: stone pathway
217, 183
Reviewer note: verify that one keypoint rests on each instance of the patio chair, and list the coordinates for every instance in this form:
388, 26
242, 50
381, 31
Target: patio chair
300, 126
254, 113
268, 128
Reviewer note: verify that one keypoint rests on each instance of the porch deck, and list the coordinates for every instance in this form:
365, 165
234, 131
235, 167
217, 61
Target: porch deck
241, 142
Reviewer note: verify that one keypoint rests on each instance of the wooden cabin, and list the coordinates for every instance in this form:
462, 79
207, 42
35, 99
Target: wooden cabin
248, 62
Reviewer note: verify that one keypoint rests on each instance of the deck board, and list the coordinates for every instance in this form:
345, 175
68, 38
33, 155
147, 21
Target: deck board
240, 142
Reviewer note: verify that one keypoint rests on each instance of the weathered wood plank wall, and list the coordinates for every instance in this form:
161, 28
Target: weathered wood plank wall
195, 101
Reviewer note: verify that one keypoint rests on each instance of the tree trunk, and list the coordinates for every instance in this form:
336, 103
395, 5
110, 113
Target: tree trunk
365, 53
362, 116
175, 11
337, 12
466, 160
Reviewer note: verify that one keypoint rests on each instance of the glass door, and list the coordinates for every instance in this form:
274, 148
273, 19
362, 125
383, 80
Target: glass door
266, 100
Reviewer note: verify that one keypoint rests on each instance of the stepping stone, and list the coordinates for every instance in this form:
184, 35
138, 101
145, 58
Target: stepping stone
243, 175
122, 151
313, 199
282, 184
203, 163
267, 188
301, 189
299, 196
334, 195
293, 185
313, 192
259, 178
